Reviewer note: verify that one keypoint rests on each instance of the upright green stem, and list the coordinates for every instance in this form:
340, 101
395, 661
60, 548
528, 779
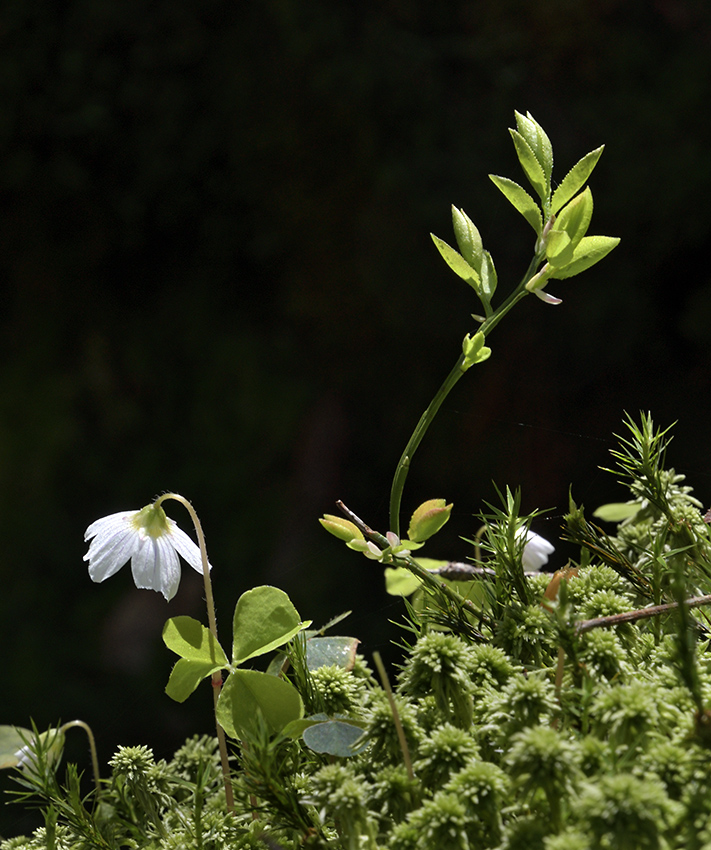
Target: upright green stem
396, 715
212, 622
427, 417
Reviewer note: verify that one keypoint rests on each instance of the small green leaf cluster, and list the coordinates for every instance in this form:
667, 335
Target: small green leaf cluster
426, 521
560, 219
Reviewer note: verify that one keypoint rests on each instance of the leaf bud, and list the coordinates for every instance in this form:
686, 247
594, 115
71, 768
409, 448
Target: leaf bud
341, 528
474, 350
428, 519
468, 238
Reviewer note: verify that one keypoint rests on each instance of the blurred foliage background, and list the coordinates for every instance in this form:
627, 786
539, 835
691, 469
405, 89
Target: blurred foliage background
217, 278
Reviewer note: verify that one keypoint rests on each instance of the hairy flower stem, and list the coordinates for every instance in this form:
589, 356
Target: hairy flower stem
212, 622
428, 416
92, 749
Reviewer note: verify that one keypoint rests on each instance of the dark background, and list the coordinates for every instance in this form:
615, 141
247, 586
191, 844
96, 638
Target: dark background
217, 278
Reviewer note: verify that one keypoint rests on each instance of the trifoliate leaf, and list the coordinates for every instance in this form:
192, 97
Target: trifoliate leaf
186, 675
335, 737
331, 650
400, 581
189, 639
249, 696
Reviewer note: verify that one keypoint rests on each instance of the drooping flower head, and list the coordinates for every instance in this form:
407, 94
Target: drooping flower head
536, 550
150, 540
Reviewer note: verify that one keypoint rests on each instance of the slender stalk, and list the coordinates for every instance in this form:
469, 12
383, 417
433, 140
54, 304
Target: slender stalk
92, 749
428, 416
396, 714
639, 614
212, 622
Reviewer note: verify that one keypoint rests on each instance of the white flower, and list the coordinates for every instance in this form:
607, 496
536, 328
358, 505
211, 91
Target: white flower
150, 540
25, 758
535, 551
51, 741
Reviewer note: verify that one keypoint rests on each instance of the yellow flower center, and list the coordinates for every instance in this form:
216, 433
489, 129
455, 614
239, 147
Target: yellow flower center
152, 520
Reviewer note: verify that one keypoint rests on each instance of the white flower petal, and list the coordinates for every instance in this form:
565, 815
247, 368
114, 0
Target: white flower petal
113, 544
155, 566
185, 546
167, 568
536, 551
108, 525
109, 562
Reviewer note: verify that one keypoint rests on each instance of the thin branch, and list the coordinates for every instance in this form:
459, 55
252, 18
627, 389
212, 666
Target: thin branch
375, 536
459, 571
639, 614
400, 560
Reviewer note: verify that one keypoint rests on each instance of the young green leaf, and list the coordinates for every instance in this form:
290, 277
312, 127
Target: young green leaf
575, 179
341, 528
521, 201
538, 141
264, 619
468, 238
617, 511
575, 217
489, 278
531, 166
559, 248
590, 250
249, 694
457, 263
431, 515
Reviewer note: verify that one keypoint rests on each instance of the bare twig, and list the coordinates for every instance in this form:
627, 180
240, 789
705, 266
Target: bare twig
380, 539
459, 571
639, 614
402, 560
